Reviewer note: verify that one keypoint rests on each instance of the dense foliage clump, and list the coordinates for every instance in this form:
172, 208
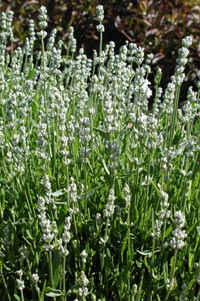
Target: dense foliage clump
99, 194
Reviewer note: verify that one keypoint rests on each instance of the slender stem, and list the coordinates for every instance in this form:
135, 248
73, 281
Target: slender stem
174, 115
153, 245
172, 274
103, 253
100, 42
91, 129
64, 279
129, 253
51, 268
22, 295
5, 285
129, 239
147, 191
45, 94
51, 272
38, 293
43, 54
85, 178
198, 295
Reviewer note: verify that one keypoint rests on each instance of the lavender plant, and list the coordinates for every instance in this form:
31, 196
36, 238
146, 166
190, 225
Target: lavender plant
99, 196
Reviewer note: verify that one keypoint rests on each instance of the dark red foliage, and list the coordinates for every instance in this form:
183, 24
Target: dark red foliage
157, 25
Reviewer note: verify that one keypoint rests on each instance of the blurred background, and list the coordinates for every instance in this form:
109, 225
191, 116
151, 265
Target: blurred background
157, 25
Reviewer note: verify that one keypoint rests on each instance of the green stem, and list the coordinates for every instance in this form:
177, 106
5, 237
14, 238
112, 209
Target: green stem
85, 178
51, 272
174, 115
91, 130
198, 295
139, 292
64, 279
172, 274
129, 252
51, 269
5, 285
147, 190
45, 97
103, 253
38, 293
164, 230
100, 43
43, 55
129, 239
153, 245
22, 295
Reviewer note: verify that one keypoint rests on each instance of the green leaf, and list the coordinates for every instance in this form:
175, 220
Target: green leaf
17, 297
180, 150
124, 246
198, 230
165, 271
168, 231
191, 228
93, 297
190, 260
58, 193
155, 187
91, 192
191, 283
132, 160
105, 167
102, 132
146, 263
43, 289
56, 269
31, 74
28, 233
52, 292
147, 252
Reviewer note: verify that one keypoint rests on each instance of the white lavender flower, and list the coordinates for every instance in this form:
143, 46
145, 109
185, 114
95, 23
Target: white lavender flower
42, 17
20, 282
127, 195
32, 33
182, 60
163, 214
110, 206
179, 235
9, 16
85, 135
110, 113
84, 256
51, 41
187, 42
190, 108
48, 228
72, 190
100, 13
169, 94
66, 237
35, 278
83, 282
